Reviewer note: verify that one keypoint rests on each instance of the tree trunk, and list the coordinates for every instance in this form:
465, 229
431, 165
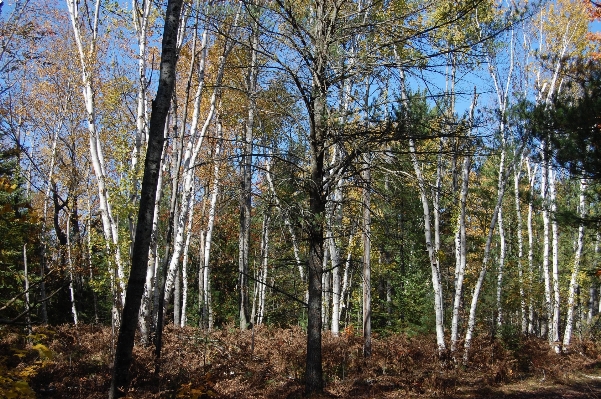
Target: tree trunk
367, 257
208, 310
335, 214
436, 283
97, 158
192, 151
325, 282
531, 177
317, 205
546, 244
518, 213
184, 318
177, 298
71, 276
461, 237
501, 185
501, 249
144, 319
201, 280
555, 246
461, 243
246, 182
44, 311
576, 268
135, 287
27, 303
89, 257
264, 267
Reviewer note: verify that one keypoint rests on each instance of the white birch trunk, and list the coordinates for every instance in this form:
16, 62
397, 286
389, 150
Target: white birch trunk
193, 146
192, 151
461, 249
202, 309
461, 238
436, 209
210, 225
474, 303
472, 316
43, 234
177, 297
27, 303
255, 292
325, 284
576, 268
140, 18
436, 283
531, 177
433, 257
71, 277
516, 186
555, 249
501, 249
502, 101
184, 318
109, 225
334, 219
264, 269
546, 245
346, 280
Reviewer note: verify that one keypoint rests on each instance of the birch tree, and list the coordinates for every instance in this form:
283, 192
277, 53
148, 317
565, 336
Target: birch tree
86, 44
567, 337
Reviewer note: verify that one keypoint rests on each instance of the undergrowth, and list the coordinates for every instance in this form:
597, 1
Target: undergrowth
74, 362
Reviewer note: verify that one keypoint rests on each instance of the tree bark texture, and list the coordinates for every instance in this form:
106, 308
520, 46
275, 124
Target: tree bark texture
367, 258
152, 167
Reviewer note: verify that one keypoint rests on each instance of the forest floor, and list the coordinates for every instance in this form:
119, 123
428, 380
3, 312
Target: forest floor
74, 362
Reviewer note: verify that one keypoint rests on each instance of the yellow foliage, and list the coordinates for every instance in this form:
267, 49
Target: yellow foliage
14, 382
45, 353
186, 391
13, 387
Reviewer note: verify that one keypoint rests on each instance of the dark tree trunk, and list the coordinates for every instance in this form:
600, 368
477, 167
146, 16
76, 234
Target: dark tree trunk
317, 207
367, 259
137, 277
60, 234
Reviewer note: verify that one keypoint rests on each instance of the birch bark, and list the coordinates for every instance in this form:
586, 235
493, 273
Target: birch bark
108, 222
210, 225
576, 267
546, 244
184, 304
461, 238
555, 251
521, 282
71, 277
193, 148
264, 268
531, 180
501, 186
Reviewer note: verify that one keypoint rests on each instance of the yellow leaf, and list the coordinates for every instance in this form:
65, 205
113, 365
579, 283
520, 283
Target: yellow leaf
44, 352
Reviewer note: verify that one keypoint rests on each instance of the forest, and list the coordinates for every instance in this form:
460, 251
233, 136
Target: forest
316, 183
